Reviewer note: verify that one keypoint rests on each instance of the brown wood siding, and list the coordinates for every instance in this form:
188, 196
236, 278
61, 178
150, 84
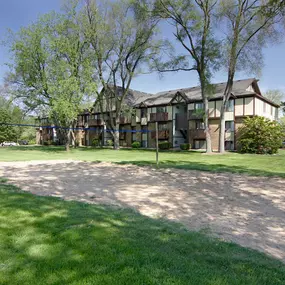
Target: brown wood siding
214, 131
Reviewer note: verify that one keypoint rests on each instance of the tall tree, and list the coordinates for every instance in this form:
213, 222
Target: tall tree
52, 68
192, 20
122, 36
249, 25
275, 95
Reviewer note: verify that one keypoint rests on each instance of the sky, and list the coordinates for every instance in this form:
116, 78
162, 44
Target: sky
17, 13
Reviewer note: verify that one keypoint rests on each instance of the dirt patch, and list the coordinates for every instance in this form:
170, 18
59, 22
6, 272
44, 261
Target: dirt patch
244, 209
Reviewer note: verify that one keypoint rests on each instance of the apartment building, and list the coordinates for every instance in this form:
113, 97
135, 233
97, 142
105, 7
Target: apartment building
179, 114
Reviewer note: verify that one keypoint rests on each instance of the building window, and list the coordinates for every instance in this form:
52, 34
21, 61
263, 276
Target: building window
200, 125
229, 145
200, 144
161, 109
199, 106
143, 112
271, 110
264, 107
230, 106
276, 114
230, 126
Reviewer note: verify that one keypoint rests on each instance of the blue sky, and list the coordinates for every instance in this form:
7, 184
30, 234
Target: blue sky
17, 13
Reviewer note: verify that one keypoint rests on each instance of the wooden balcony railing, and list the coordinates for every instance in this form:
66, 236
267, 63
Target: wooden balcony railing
195, 114
158, 117
80, 123
162, 135
197, 134
95, 122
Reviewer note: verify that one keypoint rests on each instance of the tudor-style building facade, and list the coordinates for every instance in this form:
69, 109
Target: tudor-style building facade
179, 114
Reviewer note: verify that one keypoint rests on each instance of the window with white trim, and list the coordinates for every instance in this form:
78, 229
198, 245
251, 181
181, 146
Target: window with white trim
230, 126
230, 106
199, 106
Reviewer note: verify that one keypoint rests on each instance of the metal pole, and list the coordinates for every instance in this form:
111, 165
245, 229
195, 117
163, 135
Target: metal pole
156, 131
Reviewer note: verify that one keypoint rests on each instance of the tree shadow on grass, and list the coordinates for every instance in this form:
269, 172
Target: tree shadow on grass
193, 165
50, 241
48, 149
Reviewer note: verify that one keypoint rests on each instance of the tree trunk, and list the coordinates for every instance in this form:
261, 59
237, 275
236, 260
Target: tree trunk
222, 129
73, 139
226, 98
116, 136
67, 140
207, 128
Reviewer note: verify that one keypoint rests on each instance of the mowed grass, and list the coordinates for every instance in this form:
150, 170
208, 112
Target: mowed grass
45, 240
264, 165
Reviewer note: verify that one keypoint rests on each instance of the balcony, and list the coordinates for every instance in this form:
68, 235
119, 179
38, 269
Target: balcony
158, 117
95, 122
80, 123
125, 120
162, 135
197, 134
195, 114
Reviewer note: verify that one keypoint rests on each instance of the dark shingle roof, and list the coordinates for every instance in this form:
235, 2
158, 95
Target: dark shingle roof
194, 93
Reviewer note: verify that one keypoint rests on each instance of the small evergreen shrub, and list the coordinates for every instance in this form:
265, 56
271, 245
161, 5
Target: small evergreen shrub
95, 142
48, 142
136, 145
185, 146
164, 145
259, 135
110, 143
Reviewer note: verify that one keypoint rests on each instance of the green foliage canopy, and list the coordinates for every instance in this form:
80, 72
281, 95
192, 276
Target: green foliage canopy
259, 135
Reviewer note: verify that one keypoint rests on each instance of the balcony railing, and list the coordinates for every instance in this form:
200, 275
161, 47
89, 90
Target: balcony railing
158, 117
195, 114
162, 135
197, 134
95, 122
80, 123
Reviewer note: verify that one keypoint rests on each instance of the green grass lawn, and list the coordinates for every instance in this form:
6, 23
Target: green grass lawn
265, 165
46, 240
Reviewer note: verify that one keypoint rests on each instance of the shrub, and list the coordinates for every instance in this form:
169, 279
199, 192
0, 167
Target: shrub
259, 135
185, 146
48, 142
164, 145
136, 145
95, 142
33, 141
110, 143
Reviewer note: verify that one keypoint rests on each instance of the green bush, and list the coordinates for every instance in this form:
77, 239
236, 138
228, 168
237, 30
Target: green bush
33, 141
185, 146
259, 135
164, 145
136, 145
48, 142
95, 142
110, 143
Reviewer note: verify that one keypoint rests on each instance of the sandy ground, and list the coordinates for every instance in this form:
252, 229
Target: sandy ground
247, 210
